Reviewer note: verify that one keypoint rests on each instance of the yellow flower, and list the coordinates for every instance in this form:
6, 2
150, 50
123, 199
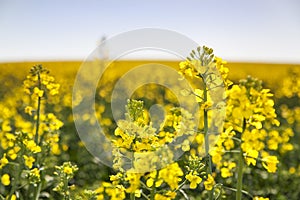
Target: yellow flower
31, 145
65, 147
6, 127
292, 170
72, 187
115, 179
184, 64
251, 156
68, 170
29, 160
185, 145
270, 162
209, 183
260, 198
137, 193
100, 197
286, 147
206, 105
116, 193
171, 175
3, 161
35, 172
12, 153
225, 172
5, 179
38, 92
28, 110
150, 180
168, 196
134, 181
34, 175
226, 169
13, 197
160, 197
194, 180
55, 149
216, 154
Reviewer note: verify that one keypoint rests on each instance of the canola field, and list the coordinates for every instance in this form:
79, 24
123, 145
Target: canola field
255, 156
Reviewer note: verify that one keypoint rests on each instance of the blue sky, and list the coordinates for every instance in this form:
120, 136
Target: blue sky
238, 30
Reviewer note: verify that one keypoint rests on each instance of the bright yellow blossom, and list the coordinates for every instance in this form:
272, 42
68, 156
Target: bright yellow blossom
209, 182
12, 153
194, 180
29, 160
3, 161
34, 175
28, 110
32, 146
13, 197
171, 175
270, 162
38, 92
226, 169
68, 169
260, 198
5, 179
251, 156
134, 181
185, 145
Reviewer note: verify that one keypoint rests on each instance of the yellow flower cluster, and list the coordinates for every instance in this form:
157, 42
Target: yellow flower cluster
249, 107
29, 138
65, 173
138, 140
39, 82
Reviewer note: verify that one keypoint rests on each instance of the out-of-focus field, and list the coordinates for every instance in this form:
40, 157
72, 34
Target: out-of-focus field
268, 72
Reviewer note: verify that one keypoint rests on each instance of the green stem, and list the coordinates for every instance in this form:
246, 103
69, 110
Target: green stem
38, 112
236, 139
37, 191
240, 177
152, 192
234, 190
232, 151
184, 194
206, 135
181, 185
17, 169
66, 189
132, 196
145, 196
239, 185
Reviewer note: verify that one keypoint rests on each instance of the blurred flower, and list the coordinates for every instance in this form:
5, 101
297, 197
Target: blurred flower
270, 162
209, 182
5, 179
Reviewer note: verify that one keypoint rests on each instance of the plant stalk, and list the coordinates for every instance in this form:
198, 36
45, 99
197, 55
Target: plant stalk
240, 177
37, 191
206, 138
239, 186
38, 112
38, 188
